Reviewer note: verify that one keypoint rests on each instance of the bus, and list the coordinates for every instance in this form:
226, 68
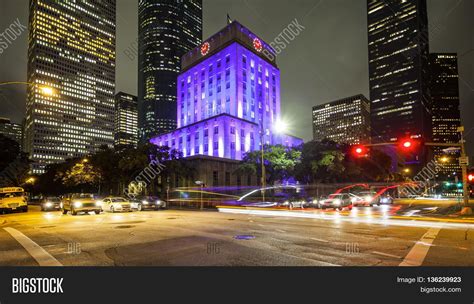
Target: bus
13, 199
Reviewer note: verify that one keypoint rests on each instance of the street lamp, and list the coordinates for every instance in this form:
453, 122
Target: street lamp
444, 159
45, 90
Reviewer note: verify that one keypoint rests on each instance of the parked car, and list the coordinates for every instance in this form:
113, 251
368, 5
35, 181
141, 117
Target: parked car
50, 203
336, 201
148, 203
116, 204
80, 202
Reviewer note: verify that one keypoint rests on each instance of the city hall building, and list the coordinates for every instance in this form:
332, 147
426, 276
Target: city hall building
228, 99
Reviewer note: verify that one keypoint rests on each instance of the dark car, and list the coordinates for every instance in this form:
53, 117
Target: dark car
148, 203
50, 203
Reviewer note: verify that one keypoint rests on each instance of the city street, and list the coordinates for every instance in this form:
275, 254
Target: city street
362, 237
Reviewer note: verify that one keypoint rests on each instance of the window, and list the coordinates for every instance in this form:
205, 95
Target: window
227, 178
216, 130
215, 178
232, 146
216, 145
206, 132
232, 130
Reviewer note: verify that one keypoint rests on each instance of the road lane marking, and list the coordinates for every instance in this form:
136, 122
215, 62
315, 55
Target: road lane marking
418, 253
319, 240
281, 231
387, 255
36, 251
261, 225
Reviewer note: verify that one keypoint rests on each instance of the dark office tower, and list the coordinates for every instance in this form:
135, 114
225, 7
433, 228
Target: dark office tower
398, 64
126, 120
71, 71
446, 117
11, 130
167, 29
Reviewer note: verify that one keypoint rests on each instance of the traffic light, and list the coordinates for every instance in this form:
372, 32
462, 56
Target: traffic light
359, 151
407, 144
470, 177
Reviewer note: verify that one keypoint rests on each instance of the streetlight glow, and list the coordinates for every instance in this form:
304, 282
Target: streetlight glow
280, 127
48, 91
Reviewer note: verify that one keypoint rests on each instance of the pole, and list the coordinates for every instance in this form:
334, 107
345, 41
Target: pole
202, 205
464, 170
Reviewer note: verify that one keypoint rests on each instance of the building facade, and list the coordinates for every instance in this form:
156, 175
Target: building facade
398, 71
11, 130
228, 98
446, 116
72, 52
167, 29
343, 121
126, 120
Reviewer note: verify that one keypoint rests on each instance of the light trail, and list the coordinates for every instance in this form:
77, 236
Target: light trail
384, 220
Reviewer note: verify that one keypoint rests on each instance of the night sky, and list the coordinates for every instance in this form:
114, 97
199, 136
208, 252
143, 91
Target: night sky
327, 61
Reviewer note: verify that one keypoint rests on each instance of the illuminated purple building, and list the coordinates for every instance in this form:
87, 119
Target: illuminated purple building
228, 97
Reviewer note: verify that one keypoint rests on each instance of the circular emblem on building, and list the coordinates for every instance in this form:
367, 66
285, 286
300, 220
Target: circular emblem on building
205, 47
257, 44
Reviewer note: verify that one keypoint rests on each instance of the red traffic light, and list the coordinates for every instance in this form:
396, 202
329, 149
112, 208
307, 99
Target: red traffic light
359, 151
407, 144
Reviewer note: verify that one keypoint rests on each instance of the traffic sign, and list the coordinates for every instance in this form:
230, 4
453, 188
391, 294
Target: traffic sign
464, 161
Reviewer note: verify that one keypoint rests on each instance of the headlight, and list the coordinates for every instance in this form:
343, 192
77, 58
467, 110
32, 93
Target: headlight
98, 203
158, 202
368, 198
315, 201
337, 202
384, 200
144, 202
286, 203
48, 204
77, 204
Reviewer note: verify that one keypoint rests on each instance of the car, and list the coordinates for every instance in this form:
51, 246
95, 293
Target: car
336, 201
366, 198
148, 203
13, 199
386, 200
50, 203
116, 204
80, 202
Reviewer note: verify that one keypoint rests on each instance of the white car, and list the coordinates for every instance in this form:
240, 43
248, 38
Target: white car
116, 204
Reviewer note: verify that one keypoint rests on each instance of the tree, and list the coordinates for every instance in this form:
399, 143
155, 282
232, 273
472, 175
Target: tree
279, 161
14, 164
82, 174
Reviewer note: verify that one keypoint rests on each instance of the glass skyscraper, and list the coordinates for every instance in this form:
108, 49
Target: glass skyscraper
167, 29
228, 97
72, 51
398, 63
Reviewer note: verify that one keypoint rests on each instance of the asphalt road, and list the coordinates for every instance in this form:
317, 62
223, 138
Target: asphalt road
363, 237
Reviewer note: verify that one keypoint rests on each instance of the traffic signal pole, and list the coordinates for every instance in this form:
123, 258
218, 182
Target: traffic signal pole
463, 162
